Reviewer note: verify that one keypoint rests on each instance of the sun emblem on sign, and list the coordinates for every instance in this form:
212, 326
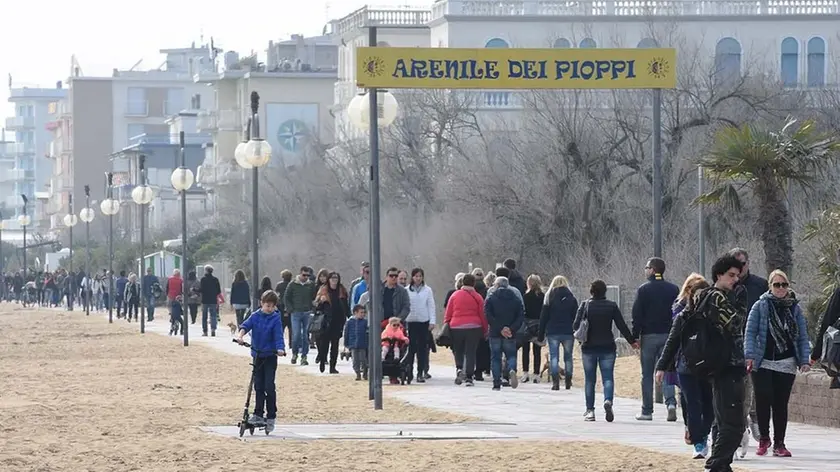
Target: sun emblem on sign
658, 67
374, 66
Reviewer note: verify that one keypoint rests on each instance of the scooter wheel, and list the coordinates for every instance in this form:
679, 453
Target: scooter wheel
251, 430
242, 427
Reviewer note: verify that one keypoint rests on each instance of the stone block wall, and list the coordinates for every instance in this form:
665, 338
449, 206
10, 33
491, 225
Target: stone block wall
812, 402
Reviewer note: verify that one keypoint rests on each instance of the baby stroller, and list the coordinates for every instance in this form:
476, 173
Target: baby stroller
395, 367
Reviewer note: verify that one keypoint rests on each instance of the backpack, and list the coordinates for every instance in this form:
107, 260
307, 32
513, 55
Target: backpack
156, 290
704, 346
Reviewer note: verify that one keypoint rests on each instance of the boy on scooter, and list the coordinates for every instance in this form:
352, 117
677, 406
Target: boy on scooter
266, 328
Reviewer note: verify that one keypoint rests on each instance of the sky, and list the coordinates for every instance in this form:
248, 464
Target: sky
39, 37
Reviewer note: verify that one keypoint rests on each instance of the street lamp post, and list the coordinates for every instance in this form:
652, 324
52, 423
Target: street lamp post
110, 207
24, 221
182, 179
377, 108
87, 216
252, 153
70, 221
142, 196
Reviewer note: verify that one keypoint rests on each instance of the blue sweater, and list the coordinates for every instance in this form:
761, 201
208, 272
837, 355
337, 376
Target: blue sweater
758, 324
652, 308
356, 333
266, 333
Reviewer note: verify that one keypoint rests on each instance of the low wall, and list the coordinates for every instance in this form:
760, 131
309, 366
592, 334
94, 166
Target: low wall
812, 402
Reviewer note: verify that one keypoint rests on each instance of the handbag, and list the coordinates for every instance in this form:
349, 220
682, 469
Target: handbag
319, 323
444, 336
582, 333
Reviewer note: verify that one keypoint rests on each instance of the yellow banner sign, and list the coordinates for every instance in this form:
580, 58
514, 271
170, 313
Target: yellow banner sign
449, 68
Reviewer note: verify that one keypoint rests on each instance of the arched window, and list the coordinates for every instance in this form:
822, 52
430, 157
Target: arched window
647, 43
562, 43
496, 99
816, 62
588, 43
727, 60
790, 62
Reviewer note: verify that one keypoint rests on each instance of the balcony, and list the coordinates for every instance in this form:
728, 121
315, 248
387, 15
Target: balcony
391, 17
11, 175
220, 120
137, 108
16, 123
634, 8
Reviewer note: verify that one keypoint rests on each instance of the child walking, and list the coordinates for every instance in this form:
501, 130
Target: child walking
266, 328
356, 341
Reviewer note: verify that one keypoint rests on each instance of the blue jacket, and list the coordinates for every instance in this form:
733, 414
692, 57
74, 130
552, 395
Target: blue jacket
240, 293
558, 313
652, 308
758, 324
504, 308
356, 333
266, 333
358, 291
148, 281
120, 286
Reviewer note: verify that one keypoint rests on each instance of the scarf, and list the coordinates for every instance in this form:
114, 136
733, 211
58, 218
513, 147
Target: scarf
783, 327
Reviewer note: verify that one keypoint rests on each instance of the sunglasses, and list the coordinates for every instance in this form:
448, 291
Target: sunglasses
392, 276
304, 274
781, 285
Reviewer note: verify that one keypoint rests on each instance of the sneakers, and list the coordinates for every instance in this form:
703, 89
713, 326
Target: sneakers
672, 413
763, 446
459, 377
303, 360
644, 417
589, 415
779, 450
535, 379
608, 411
420, 378
514, 382
256, 420
269, 425
294, 358
699, 451
497, 386
525, 377
479, 377
468, 382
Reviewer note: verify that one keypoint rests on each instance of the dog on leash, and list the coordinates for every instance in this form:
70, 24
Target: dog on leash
233, 328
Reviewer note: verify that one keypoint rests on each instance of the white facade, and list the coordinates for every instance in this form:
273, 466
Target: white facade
793, 40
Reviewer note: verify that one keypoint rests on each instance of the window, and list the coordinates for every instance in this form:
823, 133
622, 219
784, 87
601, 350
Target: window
790, 62
727, 60
496, 99
174, 101
588, 43
816, 62
137, 104
562, 43
134, 130
647, 43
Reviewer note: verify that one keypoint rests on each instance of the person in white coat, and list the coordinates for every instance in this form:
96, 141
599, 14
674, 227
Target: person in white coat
420, 322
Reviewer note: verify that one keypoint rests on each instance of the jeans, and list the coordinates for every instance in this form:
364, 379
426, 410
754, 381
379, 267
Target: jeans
651, 351
527, 349
132, 306
594, 359
497, 347
772, 391
150, 307
418, 336
360, 360
699, 410
554, 342
728, 400
300, 332
265, 369
209, 311
119, 305
464, 346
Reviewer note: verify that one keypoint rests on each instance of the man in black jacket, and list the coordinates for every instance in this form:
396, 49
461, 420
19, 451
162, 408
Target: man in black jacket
651, 325
210, 291
515, 279
505, 314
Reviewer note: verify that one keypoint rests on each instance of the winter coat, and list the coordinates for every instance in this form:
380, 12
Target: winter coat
266, 333
299, 295
333, 304
466, 308
210, 289
240, 293
516, 280
558, 313
652, 309
758, 325
602, 315
504, 309
356, 333
720, 310
174, 288
132, 292
194, 292
120, 286
422, 301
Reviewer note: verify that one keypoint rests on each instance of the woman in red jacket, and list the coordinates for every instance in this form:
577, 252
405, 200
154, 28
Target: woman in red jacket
468, 325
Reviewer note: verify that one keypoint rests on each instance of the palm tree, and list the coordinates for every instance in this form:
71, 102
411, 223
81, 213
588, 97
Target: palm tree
765, 163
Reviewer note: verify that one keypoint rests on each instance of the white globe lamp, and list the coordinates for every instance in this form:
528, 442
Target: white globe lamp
257, 152
142, 195
109, 207
87, 215
24, 220
388, 109
354, 110
70, 220
240, 156
182, 179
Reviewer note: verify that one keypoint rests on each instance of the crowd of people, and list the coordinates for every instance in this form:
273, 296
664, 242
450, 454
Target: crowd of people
732, 345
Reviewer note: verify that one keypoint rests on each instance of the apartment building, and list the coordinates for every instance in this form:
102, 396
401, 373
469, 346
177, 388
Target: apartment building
31, 170
296, 94
788, 39
107, 114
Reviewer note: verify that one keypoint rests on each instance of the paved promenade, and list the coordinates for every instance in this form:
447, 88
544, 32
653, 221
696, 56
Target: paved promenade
539, 413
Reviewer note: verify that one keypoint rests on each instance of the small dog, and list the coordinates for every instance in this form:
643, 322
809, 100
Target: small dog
545, 372
233, 328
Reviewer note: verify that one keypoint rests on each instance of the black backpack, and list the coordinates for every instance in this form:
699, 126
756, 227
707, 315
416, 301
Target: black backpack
704, 346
